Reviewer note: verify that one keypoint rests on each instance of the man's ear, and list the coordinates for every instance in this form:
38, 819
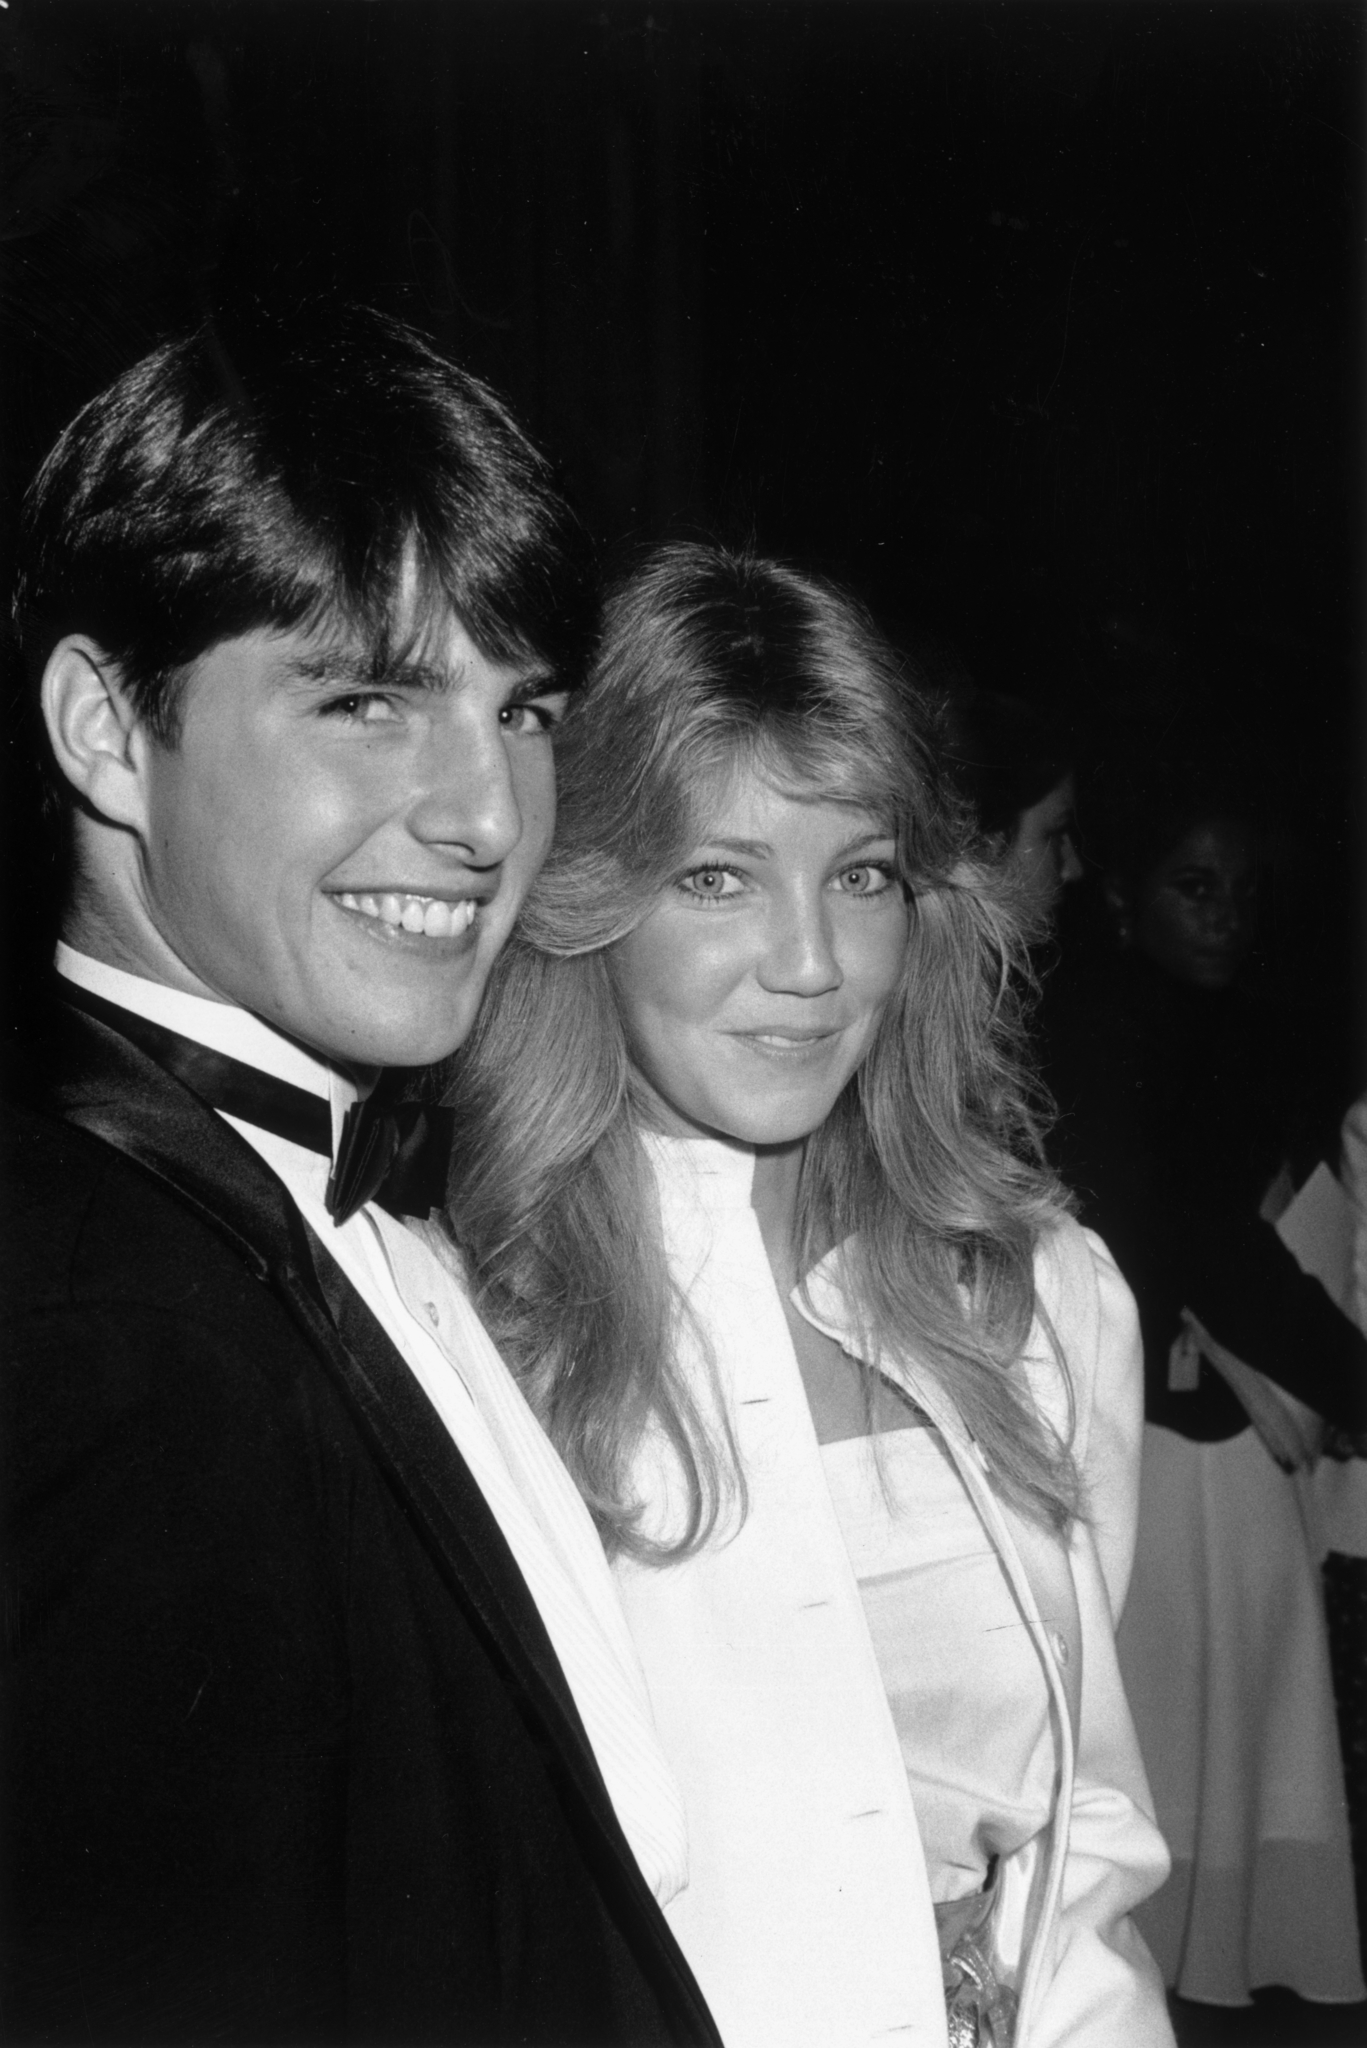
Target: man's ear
98, 740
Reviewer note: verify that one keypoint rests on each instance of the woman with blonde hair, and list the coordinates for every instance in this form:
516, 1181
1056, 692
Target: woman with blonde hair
751, 1194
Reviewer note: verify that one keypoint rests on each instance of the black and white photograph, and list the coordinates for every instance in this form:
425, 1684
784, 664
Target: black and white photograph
684, 1167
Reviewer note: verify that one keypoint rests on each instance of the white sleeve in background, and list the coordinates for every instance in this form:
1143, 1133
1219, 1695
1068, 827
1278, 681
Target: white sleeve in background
1103, 1987
1354, 1176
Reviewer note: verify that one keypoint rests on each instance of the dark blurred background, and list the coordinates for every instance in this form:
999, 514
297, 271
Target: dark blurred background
1039, 324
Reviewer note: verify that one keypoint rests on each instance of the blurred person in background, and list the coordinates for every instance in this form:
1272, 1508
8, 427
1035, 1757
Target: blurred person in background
1015, 763
1178, 1108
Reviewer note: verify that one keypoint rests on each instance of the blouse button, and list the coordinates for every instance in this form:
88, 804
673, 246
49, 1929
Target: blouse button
433, 1313
1060, 1644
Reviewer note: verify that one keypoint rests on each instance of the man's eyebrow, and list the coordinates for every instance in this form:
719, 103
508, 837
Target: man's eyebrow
539, 682
336, 668
350, 668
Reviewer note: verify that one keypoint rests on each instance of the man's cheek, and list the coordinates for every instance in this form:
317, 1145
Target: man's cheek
536, 806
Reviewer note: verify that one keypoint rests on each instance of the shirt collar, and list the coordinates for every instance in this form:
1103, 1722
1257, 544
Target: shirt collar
718, 1172
724, 1163
222, 1026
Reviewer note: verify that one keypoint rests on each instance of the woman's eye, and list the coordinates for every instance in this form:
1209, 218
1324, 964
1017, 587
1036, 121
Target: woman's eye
866, 880
711, 884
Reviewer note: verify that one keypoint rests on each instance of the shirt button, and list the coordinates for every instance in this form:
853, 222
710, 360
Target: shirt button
1060, 1646
433, 1313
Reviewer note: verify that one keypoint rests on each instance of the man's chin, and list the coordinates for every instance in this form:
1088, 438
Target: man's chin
404, 1046
395, 1034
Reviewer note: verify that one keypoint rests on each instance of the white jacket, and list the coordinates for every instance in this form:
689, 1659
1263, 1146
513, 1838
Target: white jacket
807, 1916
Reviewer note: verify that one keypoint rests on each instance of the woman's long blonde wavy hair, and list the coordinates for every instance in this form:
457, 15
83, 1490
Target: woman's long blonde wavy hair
930, 1160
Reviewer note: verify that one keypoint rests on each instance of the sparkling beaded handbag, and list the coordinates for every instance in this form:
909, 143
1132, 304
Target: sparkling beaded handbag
980, 2009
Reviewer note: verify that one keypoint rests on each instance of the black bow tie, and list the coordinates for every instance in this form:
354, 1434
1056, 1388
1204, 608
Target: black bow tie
390, 1151
394, 1153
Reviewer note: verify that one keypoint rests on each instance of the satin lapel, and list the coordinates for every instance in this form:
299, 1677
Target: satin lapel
115, 1092
119, 1095
438, 1491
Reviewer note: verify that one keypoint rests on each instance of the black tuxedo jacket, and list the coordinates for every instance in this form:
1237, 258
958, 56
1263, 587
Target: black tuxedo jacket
287, 1754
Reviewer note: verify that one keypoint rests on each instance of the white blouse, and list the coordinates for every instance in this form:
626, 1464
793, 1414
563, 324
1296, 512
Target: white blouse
963, 1678
808, 1915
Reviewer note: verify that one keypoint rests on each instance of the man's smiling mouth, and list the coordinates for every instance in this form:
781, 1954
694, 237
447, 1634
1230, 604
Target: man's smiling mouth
432, 917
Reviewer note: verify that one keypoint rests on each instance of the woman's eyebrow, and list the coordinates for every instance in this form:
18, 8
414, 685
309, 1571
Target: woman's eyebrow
760, 849
757, 849
874, 838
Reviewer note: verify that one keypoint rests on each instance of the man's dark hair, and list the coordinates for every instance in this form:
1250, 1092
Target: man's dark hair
286, 473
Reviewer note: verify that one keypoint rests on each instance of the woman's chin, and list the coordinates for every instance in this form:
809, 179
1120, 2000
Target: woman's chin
767, 1130
739, 1116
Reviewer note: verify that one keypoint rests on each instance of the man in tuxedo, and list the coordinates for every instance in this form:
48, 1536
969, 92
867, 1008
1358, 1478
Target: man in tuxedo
321, 1722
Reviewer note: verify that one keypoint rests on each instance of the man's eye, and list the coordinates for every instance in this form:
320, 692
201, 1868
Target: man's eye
362, 707
539, 715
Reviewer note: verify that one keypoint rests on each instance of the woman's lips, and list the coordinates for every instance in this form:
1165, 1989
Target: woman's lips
788, 1043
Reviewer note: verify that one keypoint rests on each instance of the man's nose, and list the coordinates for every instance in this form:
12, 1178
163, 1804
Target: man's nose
799, 956
465, 799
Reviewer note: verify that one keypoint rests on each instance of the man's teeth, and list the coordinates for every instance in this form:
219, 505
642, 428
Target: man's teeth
427, 914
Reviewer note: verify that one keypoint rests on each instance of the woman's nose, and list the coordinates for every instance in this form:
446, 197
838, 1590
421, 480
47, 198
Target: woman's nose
466, 799
800, 957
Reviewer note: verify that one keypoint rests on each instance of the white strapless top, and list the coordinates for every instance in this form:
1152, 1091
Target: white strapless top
962, 1674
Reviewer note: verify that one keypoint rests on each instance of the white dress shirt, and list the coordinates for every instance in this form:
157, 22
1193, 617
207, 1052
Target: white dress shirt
416, 1295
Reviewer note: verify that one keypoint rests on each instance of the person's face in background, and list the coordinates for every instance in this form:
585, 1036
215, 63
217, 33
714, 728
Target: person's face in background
1194, 911
1042, 856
